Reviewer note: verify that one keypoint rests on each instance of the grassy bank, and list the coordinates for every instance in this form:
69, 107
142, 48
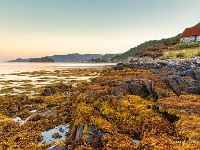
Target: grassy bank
186, 50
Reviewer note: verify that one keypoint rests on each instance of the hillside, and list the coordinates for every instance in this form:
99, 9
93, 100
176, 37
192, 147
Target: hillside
198, 24
132, 52
43, 59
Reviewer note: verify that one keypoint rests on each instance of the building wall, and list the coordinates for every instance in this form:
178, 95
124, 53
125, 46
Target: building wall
187, 39
198, 38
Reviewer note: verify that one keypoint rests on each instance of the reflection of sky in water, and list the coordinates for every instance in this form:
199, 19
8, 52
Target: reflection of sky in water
18, 119
136, 141
8, 67
35, 81
47, 135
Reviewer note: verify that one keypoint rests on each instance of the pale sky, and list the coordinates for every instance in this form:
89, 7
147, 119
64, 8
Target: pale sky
36, 28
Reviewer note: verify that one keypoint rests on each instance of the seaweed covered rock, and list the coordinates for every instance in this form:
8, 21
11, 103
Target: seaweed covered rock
110, 111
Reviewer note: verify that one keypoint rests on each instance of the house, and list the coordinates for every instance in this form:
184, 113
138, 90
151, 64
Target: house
190, 35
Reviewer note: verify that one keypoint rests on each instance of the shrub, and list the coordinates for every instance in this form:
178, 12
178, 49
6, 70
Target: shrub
198, 53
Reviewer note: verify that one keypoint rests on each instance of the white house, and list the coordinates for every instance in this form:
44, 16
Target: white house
190, 35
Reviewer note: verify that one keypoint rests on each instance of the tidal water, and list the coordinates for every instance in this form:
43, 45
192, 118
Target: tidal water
16, 67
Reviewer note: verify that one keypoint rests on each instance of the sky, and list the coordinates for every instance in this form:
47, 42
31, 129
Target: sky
36, 28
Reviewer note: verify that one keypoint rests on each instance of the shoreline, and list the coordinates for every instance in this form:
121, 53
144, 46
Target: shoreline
135, 105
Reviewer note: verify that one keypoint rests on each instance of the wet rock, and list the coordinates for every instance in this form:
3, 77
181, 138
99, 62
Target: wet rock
191, 74
69, 94
171, 82
91, 129
150, 87
94, 135
118, 67
56, 93
113, 91
181, 81
91, 95
34, 117
194, 90
197, 74
51, 105
79, 132
47, 92
56, 147
138, 88
194, 83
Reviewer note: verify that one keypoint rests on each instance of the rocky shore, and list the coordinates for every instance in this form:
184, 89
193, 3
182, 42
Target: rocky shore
144, 104
180, 75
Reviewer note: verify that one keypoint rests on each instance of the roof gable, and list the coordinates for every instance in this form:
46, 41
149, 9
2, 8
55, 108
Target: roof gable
191, 31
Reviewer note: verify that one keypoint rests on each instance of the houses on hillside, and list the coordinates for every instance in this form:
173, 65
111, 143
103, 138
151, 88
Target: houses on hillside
190, 35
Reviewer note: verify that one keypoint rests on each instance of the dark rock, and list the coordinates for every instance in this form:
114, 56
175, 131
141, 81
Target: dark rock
47, 92
191, 74
56, 147
194, 83
119, 64
91, 129
56, 93
171, 82
194, 90
150, 87
94, 137
138, 88
113, 91
51, 105
124, 85
197, 74
182, 83
118, 67
91, 95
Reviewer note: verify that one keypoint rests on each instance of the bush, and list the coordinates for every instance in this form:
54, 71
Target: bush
198, 53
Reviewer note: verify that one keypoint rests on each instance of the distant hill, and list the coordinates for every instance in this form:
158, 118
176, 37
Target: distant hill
75, 57
43, 59
20, 60
104, 58
133, 51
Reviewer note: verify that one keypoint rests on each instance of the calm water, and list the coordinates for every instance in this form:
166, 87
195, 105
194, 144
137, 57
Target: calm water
13, 67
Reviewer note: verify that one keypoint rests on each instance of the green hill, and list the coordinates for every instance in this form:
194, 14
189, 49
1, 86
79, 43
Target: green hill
198, 24
147, 44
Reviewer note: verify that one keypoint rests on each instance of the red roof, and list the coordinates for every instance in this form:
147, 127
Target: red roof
191, 31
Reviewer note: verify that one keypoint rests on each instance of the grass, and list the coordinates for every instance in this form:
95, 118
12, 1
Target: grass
187, 51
